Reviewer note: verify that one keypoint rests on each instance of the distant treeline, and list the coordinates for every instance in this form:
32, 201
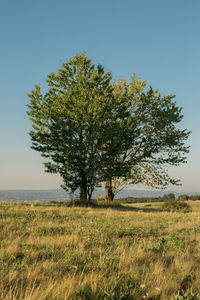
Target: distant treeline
142, 199
187, 197
164, 198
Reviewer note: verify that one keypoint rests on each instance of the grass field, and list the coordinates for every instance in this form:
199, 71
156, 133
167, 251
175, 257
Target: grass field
133, 252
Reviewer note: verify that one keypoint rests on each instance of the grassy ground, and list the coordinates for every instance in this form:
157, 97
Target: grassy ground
136, 252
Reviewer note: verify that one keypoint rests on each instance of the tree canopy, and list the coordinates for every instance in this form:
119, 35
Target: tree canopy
154, 139
93, 130
74, 120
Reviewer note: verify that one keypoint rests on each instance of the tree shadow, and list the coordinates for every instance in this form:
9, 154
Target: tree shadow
129, 208
115, 206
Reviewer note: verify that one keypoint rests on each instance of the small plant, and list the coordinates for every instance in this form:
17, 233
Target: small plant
176, 205
159, 246
186, 295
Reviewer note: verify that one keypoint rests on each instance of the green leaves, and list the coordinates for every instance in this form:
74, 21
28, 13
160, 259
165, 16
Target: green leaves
148, 138
92, 130
71, 122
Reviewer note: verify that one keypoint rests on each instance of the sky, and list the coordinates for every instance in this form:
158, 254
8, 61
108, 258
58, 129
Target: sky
158, 40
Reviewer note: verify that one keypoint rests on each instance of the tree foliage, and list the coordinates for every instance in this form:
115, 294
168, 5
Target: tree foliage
92, 130
183, 197
72, 121
154, 140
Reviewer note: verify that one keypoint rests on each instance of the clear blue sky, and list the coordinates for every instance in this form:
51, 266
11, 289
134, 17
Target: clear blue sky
158, 40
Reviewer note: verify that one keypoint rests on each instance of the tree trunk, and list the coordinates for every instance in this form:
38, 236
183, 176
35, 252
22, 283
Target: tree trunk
109, 195
107, 190
83, 193
89, 193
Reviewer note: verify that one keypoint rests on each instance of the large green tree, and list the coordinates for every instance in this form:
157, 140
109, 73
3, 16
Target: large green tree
91, 130
153, 139
75, 124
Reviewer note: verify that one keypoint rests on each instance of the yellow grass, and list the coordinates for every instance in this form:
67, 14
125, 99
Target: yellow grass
133, 252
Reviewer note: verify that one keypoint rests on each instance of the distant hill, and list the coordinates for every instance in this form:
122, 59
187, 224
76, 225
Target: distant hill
60, 194
33, 195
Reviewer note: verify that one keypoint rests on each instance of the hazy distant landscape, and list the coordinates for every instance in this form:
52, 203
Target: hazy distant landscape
60, 194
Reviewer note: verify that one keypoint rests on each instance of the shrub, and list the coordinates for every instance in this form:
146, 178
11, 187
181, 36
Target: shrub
170, 196
183, 197
176, 205
195, 197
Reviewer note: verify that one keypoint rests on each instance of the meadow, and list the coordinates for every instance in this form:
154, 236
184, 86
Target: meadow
132, 251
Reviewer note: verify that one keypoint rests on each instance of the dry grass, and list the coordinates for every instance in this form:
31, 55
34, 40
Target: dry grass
135, 252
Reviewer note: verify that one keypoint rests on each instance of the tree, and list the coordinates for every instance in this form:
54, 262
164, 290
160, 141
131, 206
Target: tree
92, 130
169, 196
154, 177
153, 140
183, 197
73, 121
